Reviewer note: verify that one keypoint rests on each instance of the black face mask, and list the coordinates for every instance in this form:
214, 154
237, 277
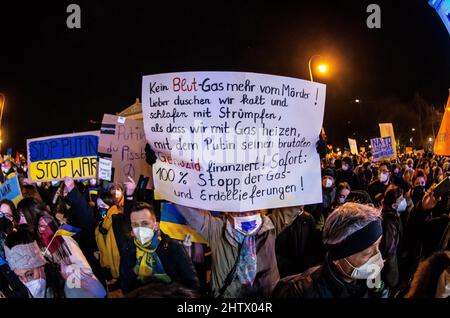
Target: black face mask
418, 193
6, 225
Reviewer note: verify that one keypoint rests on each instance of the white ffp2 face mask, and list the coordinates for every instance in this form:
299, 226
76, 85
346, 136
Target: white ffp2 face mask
402, 206
37, 287
143, 234
383, 177
247, 225
371, 268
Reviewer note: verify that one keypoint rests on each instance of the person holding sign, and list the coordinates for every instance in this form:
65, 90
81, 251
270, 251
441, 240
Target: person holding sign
242, 246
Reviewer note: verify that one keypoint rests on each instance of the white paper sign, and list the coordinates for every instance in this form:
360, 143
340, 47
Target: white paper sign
353, 146
105, 169
231, 141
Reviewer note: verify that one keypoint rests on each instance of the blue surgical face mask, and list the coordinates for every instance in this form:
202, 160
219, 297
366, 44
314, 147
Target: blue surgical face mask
247, 225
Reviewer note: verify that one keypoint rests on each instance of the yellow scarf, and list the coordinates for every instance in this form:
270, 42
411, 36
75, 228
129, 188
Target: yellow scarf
148, 263
109, 252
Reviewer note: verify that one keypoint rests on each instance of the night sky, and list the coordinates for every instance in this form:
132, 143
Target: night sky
58, 79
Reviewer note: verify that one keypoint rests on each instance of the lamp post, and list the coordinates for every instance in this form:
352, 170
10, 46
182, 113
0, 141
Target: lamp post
322, 67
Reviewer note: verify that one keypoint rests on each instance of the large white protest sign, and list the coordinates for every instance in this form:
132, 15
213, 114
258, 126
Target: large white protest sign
230, 141
382, 148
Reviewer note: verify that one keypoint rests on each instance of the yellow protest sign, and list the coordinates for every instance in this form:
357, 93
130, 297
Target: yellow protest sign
442, 144
386, 130
55, 157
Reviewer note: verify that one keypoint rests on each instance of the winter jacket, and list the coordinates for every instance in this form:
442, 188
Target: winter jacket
376, 187
218, 232
173, 256
299, 246
424, 235
106, 242
390, 246
319, 211
322, 281
82, 216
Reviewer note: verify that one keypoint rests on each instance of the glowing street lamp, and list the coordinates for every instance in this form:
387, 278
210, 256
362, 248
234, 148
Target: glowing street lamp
322, 67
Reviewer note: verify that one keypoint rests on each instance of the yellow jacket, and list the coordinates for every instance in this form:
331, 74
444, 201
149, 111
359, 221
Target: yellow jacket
106, 242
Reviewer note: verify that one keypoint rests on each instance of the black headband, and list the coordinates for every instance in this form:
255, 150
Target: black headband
357, 241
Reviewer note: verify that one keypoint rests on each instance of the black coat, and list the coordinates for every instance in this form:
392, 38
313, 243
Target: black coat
423, 236
376, 187
299, 246
320, 282
173, 256
82, 216
390, 247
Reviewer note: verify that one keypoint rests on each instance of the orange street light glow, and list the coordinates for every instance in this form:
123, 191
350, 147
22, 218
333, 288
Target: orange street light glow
322, 68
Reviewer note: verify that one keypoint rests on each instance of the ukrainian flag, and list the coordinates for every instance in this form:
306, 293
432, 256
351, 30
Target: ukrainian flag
175, 225
67, 230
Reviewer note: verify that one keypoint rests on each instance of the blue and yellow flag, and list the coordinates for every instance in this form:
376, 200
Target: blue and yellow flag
175, 225
67, 230
93, 191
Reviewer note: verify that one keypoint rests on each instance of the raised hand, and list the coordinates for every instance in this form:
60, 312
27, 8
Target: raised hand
130, 186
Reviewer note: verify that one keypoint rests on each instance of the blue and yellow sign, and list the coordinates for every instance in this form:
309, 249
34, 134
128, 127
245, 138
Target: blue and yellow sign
56, 157
10, 189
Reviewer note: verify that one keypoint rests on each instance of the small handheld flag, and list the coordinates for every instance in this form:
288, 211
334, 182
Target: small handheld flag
67, 230
63, 230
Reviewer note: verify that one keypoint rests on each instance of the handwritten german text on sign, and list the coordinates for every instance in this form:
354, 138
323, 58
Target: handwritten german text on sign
230, 141
382, 148
55, 157
124, 140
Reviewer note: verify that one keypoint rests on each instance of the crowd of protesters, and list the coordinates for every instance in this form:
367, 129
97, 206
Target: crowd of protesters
379, 232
